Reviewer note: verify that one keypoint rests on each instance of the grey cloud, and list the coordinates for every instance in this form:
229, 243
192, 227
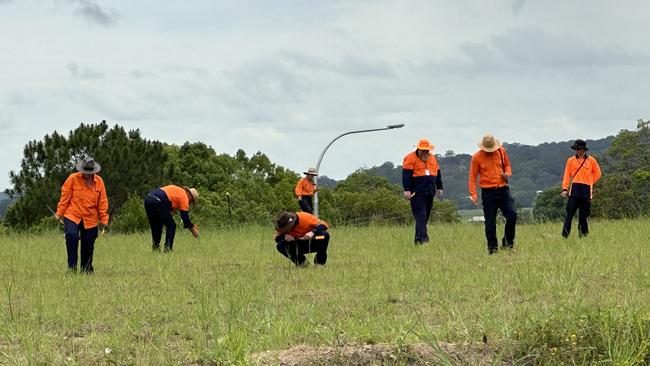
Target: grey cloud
197, 72
517, 6
537, 47
83, 73
91, 11
5, 1
18, 98
267, 80
350, 65
140, 74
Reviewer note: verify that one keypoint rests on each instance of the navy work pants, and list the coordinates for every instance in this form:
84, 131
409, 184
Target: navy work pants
73, 233
498, 199
421, 205
296, 249
159, 215
307, 204
574, 204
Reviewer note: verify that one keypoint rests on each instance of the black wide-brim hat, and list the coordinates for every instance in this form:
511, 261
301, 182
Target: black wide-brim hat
580, 144
88, 165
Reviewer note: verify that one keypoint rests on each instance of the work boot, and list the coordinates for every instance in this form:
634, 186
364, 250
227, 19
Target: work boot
168, 246
506, 245
303, 264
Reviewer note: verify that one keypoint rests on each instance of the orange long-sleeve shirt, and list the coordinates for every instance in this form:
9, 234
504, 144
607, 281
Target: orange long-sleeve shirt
305, 187
588, 175
178, 197
489, 167
306, 223
81, 202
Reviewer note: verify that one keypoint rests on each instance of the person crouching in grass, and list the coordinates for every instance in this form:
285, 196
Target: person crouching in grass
299, 233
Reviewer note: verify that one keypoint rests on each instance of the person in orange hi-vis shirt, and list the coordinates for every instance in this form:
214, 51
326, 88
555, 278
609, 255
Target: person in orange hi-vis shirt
422, 180
491, 165
299, 233
305, 189
83, 206
580, 175
160, 204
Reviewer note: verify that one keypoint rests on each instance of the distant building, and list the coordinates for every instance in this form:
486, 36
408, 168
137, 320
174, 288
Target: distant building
477, 219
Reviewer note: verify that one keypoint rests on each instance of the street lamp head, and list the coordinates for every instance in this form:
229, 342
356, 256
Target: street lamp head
395, 126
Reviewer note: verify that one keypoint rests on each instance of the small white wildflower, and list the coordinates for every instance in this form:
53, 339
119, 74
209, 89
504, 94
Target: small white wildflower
108, 351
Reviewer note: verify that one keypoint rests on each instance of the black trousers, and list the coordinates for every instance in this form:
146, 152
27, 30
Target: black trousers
583, 204
159, 215
499, 199
295, 250
421, 205
74, 233
307, 204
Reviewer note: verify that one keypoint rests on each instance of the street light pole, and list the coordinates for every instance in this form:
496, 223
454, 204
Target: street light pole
320, 158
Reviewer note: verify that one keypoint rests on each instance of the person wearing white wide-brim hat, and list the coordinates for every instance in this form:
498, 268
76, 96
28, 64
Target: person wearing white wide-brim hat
82, 207
305, 189
491, 165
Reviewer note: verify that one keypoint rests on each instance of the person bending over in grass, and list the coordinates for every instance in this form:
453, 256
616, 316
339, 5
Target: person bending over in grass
299, 233
160, 204
83, 206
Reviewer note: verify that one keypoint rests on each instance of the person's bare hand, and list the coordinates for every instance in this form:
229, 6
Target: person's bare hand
308, 236
564, 194
289, 237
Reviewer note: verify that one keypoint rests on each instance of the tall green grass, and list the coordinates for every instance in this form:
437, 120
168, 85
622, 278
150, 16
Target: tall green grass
230, 294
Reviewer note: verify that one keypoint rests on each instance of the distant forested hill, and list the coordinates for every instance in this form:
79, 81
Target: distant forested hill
535, 168
5, 200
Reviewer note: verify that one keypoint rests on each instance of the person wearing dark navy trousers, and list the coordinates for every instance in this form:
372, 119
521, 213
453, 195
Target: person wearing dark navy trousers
491, 165
580, 175
305, 189
299, 233
421, 179
160, 204
83, 207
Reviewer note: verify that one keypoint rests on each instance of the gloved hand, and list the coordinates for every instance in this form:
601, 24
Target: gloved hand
102, 229
195, 230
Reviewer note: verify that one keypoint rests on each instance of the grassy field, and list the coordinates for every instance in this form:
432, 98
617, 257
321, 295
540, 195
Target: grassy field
230, 295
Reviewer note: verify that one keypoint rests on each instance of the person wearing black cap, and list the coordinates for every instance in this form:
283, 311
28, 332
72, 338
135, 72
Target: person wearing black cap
299, 233
580, 175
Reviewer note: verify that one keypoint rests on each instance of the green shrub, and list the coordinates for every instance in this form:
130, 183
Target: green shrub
45, 224
131, 217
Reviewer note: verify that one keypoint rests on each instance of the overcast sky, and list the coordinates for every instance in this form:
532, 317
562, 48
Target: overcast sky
285, 77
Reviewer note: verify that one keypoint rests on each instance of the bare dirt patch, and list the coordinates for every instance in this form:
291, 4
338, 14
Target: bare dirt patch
377, 354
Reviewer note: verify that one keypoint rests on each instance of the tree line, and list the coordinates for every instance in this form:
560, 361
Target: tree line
242, 189
234, 190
